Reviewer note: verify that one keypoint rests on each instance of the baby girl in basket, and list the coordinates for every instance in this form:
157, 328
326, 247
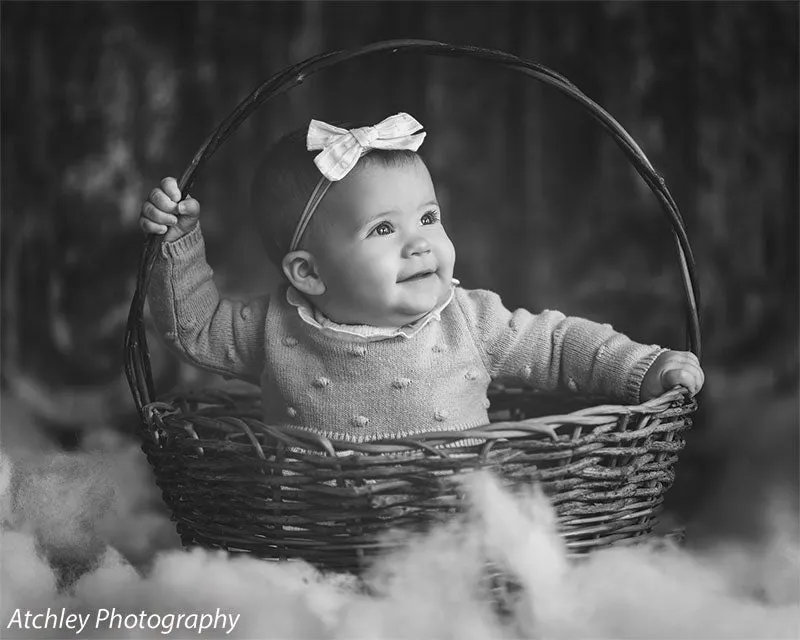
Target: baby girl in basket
369, 337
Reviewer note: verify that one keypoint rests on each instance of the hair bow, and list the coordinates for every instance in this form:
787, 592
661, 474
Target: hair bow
342, 148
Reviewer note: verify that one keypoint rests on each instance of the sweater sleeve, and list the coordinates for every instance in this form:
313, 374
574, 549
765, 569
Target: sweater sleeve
551, 351
223, 336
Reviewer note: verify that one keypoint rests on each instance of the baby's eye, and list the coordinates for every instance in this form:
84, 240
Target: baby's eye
431, 217
383, 229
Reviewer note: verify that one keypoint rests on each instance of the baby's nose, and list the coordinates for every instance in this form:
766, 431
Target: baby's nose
417, 246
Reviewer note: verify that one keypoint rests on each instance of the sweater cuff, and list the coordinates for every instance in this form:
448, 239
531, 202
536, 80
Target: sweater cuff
640, 369
185, 247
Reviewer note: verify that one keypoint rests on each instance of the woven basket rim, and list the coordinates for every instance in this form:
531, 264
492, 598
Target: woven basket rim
600, 418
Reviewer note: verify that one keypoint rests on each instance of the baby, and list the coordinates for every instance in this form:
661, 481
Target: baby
370, 337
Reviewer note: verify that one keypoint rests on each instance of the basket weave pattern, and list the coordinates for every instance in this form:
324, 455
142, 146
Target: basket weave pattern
233, 482
236, 483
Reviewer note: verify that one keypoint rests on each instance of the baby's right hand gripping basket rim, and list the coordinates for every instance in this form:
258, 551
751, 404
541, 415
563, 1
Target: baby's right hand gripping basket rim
235, 483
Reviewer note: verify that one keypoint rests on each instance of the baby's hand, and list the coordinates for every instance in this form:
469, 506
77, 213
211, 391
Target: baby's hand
672, 368
164, 213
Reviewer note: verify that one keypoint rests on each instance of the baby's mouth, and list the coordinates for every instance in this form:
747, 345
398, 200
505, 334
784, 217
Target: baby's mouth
420, 275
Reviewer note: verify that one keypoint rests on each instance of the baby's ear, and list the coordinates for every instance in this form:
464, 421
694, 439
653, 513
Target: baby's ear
301, 271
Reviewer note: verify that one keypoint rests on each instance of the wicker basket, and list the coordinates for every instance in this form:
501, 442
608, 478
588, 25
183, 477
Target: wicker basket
236, 483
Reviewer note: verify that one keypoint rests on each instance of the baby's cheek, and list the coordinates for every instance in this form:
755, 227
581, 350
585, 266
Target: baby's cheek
360, 268
379, 267
446, 254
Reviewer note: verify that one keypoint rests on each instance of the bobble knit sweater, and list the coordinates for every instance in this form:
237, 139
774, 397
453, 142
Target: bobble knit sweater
356, 390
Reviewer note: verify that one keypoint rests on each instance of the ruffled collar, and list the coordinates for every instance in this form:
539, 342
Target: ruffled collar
358, 332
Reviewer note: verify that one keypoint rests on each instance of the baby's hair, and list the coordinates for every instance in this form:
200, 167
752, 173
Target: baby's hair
284, 181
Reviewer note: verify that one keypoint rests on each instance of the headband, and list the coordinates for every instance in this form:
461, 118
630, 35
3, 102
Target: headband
341, 149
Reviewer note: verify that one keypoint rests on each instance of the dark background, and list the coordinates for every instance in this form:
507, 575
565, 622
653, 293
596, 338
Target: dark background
102, 99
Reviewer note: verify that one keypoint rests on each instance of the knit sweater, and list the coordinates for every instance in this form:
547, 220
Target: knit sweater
355, 389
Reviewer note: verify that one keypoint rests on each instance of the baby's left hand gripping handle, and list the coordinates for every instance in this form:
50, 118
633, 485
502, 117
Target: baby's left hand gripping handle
136, 354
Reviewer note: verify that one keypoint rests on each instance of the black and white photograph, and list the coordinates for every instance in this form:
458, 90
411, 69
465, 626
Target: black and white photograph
385, 319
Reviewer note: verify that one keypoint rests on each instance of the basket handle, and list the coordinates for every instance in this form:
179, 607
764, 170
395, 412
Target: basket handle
136, 352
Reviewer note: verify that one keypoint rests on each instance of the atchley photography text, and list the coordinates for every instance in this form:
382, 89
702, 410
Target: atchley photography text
112, 619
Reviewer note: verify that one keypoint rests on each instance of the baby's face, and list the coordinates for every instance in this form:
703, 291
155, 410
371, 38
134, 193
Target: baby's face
380, 247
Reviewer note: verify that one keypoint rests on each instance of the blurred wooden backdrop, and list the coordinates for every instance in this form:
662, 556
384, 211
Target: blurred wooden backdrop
102, 99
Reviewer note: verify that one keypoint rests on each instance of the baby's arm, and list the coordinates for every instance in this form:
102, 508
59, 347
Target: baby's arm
551, 351
223, 336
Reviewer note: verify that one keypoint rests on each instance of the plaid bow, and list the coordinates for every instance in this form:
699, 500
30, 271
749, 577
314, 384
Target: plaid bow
342, 148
